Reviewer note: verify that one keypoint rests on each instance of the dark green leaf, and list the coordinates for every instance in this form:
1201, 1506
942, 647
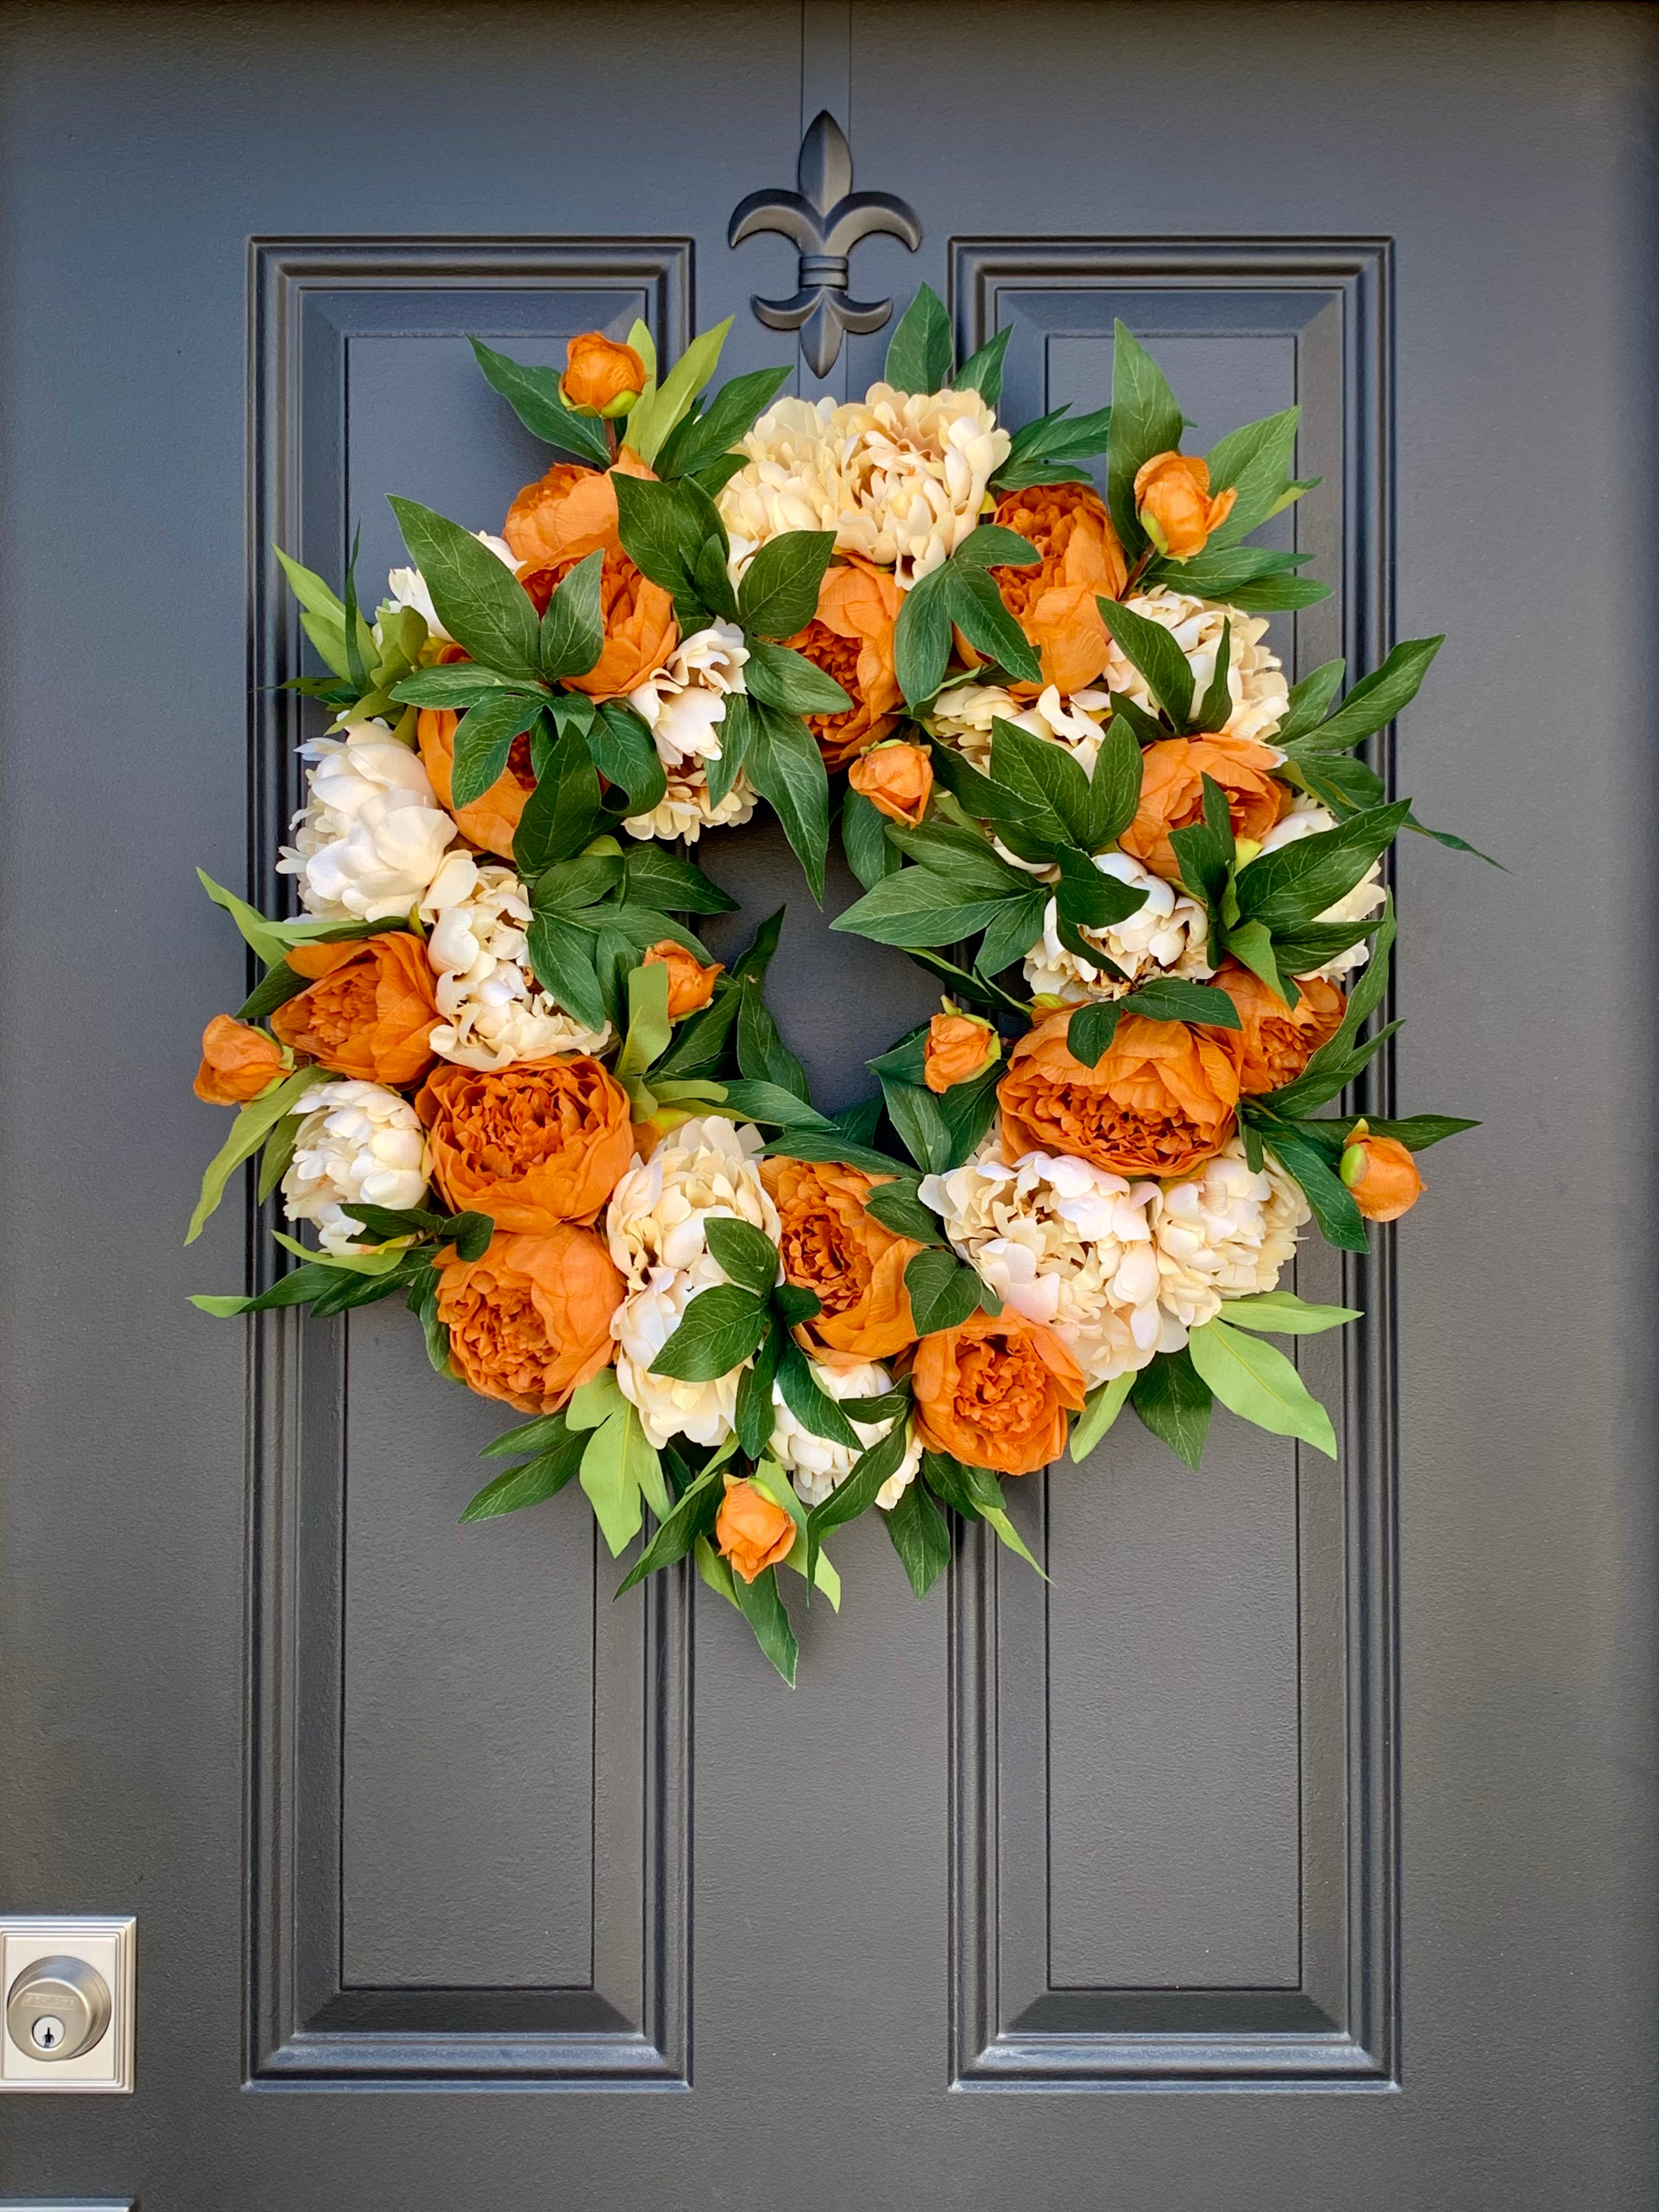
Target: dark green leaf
759, 1099
779, 593
1255, 461
539, 1478
657, 877
719, 1330
699, 440
693, 1516
921, 1537
1416, 1132
1308, 700
1174, 1401
857, 1493
922, 638
573, 629
794, 1305
761, 1053
942, 1292
483, 740
479, 600
919, 353
982, 371
859, 1122
1012, 932
737, 737
279, 984
1173, 998
761, 1604
1213, 709
1340, 1220
897, 1207
1277, 595
864, 841
975, 606
562, 956
1152, 651
811, 1406
1115, 786
459, 685
780, 677
786, 766
1088, 898
1145, 421
561, 813
534, 396
1287, 888
621, 749
1052, 449
1378, 698
757, 1414
969, 1110
748, 1256
648, 522
914, 1114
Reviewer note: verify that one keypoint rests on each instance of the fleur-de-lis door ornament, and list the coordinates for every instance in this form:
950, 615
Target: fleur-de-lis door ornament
823, 219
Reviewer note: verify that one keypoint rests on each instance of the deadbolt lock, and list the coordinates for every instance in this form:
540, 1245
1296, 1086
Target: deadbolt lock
57, 2009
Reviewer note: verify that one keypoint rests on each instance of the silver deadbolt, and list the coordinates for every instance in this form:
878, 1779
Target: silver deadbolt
58, 2007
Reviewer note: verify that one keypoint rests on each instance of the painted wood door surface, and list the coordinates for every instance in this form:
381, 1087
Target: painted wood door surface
459, 1885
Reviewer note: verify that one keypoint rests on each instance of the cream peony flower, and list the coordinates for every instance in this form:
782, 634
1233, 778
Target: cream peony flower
371, 836
359, 1145
1064, 1243
1224, 1232
685, 808
683, 704
406, 587
495, 1010
1168, 936
962, 718
814, 1464
899, 477
1305, 817
656, 1224
1255, 680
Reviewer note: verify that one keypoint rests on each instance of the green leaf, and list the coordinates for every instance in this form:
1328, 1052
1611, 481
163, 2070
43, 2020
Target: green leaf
533, 394
1052, 449
1378, 698
719, 1329
1291, 886
982, 371
266, 937
756, 1415
537, 1481
559, 817
760, 1099
698, 439
921, 1536
479, 600
942, 1292
974, 604
897, 1207
779, 593
1100, 1409
690, 1519
786, 766
1173, 1400
622, 750
761, 1053
1259, 1385
1340, 1220
654, 877
864, 841
315, 596
1308, 700
811, 1404
922, 638
253, 1124
1060, 794
484, 741
1153, 652
919, 353
1277, 595
917, 907
1213, 709
780, 677
748, 1256
1115, 786
648, 524
1419, 1131
533, 1437
470, 1233
762, 1605
573, 629
657, 413
713, 1571
461, 685
1255, 461
1145, 421
914, 1114
1281, 1313
1174, 999
649, 1025
609, 1475
562, 958
857, 1493
593, 1402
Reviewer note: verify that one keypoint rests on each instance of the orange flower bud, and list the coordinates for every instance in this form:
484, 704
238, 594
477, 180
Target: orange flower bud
1172, 498
238, 1062
1381, 1175
959, 1047
601, 377
751, 1529
896, 779
690, 985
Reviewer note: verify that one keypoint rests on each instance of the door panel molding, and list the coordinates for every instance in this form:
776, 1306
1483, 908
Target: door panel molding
308, 2020
1018, 2018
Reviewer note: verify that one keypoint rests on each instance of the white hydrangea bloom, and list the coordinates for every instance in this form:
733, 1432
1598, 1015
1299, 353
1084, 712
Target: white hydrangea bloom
657, 1224
962, 718
371, 836
406, 587
1305, 817
1168, 935
1064, 1243
495, 1013
682, 703
899, 477
1256, 681
816, 1466
1224, 1232
358, 1145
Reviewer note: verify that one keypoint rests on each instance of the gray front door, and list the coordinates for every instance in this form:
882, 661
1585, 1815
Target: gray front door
459, 1886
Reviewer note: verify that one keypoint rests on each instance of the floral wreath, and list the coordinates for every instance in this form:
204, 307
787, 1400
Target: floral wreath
494, 1071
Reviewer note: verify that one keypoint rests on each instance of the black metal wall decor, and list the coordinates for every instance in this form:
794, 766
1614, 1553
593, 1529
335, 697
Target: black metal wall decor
823, 219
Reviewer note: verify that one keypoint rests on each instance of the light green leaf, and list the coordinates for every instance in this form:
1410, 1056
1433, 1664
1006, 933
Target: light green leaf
649, 1026
593, 1402
384, 1260
770, 1477
656, 413
610, 1476
252, 1125
1260, 1384
1281, 1313
714, 1571
1101, 1408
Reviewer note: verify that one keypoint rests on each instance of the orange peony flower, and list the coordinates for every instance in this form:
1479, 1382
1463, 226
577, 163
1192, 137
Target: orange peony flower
1053, 603
531, 1320
238, 1062
1160, 1100
895, 779
640, 628
530, 1146
491, 820
568, 513
1172, 498
1279, 1039
830, 1245
851, 638
1172, 773
370, 1010
959, 1047
751, 1529
690, 985
1382, 1174
598, 372
995, 1392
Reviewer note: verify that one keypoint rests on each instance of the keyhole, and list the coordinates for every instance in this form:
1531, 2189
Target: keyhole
47, 2032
